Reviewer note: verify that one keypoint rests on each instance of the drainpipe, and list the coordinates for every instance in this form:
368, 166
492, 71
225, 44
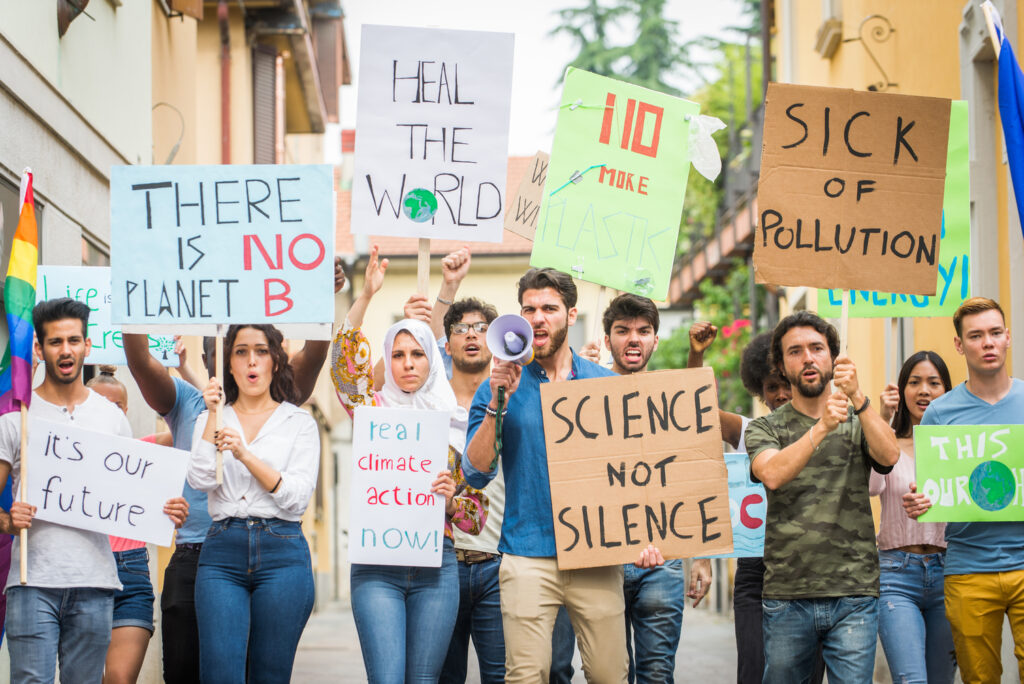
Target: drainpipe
225, 82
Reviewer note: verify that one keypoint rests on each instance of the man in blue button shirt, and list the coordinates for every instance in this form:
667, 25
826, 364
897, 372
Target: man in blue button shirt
984, 567
532, 586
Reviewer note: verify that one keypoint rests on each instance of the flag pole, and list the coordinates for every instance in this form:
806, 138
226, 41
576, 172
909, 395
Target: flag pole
23, 476
218, 416
986, 9
423, 266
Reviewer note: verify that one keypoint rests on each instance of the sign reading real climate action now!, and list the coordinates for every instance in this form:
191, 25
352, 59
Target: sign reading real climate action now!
851, 188
199, 246
971, 472
636, 460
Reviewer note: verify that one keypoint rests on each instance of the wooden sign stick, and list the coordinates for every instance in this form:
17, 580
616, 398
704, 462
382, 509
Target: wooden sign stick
23, 534
423, 267
844, 324
892, 364
596, 328
218, 364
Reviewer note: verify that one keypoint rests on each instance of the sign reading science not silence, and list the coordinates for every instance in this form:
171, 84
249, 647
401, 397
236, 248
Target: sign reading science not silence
851, 187
636, 460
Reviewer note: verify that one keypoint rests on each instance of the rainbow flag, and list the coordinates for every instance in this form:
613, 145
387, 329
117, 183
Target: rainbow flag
19, 298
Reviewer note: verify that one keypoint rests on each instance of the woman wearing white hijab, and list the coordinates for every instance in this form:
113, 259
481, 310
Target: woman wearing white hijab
405, 615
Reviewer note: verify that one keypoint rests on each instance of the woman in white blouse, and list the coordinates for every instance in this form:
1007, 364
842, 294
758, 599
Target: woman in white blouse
254, 585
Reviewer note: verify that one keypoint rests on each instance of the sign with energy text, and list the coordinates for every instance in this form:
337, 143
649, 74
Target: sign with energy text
103, 483
954, 284
748, 508
197, 246
396, 454
615, 186
971, 473
432, 148
850, 193
91, 286
636, 460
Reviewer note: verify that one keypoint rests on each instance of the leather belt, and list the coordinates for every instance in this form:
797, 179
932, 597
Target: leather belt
473, 557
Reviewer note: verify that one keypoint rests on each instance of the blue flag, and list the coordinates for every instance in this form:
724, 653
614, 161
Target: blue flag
1011, 110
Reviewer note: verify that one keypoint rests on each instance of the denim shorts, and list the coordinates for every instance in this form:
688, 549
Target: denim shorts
133, 605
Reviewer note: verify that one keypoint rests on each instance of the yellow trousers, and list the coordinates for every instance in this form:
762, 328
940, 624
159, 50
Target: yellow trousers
975, 605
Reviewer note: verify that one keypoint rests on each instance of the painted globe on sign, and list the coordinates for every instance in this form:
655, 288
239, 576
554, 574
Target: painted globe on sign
420, 205
992, 486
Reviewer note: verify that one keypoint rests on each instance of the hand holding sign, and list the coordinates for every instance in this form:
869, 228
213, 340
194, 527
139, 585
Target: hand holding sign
915, 504
835, 413
845, 376
21, 515
445, 486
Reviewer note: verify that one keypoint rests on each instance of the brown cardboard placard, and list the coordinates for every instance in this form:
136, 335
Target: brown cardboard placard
850, 194
633, 460
522, 212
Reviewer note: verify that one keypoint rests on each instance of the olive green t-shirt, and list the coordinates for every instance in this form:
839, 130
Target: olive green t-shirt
819, 533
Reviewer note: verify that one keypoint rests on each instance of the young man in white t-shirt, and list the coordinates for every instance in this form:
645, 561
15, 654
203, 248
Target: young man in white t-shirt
66, 606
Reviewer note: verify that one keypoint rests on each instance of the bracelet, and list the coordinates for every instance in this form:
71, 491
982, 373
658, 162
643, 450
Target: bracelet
274, 489
811, 439
863, 407
494, 413
442, 300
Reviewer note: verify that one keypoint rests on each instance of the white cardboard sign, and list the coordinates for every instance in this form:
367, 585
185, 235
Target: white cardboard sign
432, 146
101, 482
396, 455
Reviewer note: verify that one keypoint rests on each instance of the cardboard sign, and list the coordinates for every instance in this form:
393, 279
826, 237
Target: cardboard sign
197, 246
748, 508
636, 460
971, 472
91, 286
523, 210
101, 482
850, 193
433, 117
614, 193
394, 517
954, 284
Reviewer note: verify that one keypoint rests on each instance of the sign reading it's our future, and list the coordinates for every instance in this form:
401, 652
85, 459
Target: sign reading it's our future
194, 247
971, 472
636, 460
851, 187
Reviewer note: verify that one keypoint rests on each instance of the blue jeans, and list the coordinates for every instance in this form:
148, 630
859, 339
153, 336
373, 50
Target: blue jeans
654, 616
405, 617
846, 627
563, 645
133, 605
912, 621
480, 617
44, 622
254, 593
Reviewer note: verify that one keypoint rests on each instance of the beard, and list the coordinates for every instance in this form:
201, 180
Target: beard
810, 390
54, 374
471, 367
556, 338
622, 362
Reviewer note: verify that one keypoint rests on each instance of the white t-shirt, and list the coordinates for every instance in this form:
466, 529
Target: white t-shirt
62, 557
487, 540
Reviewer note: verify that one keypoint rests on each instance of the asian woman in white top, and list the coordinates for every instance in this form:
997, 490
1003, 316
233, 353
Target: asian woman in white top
254, 585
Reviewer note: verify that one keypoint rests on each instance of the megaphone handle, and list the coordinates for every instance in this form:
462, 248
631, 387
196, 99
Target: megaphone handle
497, 427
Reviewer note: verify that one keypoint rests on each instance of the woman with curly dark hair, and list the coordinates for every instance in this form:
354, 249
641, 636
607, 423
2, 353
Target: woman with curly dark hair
254, 585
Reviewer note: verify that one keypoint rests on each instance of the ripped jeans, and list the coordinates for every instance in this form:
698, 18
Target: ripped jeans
912, 618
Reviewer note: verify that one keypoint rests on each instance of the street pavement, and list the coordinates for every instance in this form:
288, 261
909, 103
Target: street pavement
329, 650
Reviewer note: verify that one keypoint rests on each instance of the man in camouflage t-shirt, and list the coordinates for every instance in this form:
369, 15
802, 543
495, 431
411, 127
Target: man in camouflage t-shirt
814, 456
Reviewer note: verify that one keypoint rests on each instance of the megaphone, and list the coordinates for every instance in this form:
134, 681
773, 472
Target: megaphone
510, 338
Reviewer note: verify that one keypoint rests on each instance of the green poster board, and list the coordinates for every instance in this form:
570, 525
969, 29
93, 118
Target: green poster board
971, 472
954, 282
629, 150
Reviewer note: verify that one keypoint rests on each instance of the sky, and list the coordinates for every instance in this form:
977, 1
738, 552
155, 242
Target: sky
539, 58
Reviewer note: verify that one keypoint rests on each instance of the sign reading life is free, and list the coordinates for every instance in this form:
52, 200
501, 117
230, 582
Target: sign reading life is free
101, 482
91, 286
850, 194
394, 517
193, 247
432, 148
954, 283
615, 185
971, 472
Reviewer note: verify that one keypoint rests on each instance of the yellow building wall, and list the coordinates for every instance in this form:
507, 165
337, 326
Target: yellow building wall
207, 87
174, 66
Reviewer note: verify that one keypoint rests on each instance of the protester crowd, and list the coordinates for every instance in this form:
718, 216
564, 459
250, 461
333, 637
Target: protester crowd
238, 589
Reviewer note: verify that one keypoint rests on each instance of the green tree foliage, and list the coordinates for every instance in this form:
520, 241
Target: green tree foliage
725, 306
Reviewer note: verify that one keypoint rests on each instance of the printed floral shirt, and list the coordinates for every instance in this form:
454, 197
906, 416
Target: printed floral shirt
352, 375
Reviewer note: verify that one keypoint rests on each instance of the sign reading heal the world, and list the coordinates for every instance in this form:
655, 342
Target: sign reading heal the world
197, 246
101, 482
91, 286
954, 283
850, 192
615, 185
636, 460
394, 517
971, 472
748, 508
432, 143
